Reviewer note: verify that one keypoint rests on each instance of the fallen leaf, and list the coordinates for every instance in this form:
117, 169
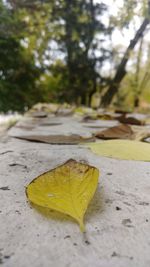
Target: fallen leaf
95, 116
56, 139
130, 120
106, 117
45, 107
38, 114
50, 124
88, 118
122, 149
65, 111
68, 189
122, 131
122, 111
82, 110
25, 127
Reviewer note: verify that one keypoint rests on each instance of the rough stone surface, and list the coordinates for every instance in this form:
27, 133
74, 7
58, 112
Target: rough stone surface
117, 221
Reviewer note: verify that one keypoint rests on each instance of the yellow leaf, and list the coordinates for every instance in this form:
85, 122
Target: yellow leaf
67, 188
122, 149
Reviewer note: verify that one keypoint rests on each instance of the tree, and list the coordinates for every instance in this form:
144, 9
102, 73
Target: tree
18, 73
121, 70
78, 26
73, 27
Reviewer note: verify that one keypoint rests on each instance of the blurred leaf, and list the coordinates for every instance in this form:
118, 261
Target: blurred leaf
122, 149
124, 131
130, 120
56, 139
38, 114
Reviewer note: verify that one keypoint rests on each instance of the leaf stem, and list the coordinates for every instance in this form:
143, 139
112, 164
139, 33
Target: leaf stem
82, 226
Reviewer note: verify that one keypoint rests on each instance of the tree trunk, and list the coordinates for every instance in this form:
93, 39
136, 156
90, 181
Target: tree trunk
121, 70
137, 76
146, 77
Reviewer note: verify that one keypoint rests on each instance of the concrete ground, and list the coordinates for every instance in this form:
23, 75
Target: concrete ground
117, 220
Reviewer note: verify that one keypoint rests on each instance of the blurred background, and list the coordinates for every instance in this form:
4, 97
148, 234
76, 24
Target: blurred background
74, 51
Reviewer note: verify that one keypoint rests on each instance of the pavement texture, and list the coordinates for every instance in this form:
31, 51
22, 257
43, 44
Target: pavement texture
117, 220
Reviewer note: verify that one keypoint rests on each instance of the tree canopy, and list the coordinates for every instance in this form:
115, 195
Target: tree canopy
58, 50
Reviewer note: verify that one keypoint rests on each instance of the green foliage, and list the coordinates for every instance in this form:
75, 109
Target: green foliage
80, 25
18, 72
54, 83
72, 26
17, 86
